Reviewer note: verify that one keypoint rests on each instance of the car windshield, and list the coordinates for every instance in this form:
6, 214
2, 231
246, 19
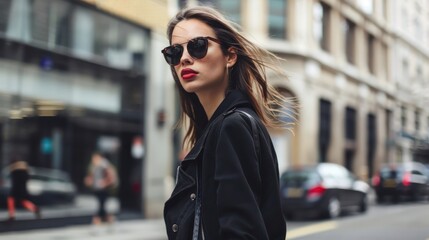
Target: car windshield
391, 173
300, 178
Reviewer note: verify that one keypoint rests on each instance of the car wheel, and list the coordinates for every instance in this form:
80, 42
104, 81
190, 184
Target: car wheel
334, 208
363, 206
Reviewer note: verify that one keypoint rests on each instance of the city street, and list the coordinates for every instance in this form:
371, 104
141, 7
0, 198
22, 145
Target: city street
388, 221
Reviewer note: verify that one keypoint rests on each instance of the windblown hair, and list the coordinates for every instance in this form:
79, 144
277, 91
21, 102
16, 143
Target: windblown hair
248, 74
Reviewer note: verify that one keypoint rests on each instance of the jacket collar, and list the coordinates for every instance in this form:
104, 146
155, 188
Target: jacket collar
233, 99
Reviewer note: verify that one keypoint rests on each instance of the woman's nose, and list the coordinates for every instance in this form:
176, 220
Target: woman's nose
186, 58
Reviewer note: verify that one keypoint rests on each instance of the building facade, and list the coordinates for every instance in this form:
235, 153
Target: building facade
75, 78
410, 72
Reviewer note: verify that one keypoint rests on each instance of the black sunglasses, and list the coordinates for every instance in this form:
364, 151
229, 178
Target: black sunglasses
197, 48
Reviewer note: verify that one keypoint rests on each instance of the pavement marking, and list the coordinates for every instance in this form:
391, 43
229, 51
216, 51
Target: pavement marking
311, 229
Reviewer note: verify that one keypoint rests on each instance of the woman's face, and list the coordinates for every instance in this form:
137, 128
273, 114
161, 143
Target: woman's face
207, 75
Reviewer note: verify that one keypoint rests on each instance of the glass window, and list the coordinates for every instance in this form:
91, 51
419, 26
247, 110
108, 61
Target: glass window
231, 8
384, 9
324, 128
277, 19
418, 30
417, 120
183, 3
19, 22
66, 27
370, 53
349, 37
403, 117
62, 24
287, 113
83, 33
371, 142
321, 25
4, 14
405, 70
40, 20
350, 123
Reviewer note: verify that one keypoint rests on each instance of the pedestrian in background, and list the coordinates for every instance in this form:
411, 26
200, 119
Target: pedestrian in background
18, 194
228, 184
101, 178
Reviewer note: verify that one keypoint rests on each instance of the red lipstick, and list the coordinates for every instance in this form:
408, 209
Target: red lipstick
188, 73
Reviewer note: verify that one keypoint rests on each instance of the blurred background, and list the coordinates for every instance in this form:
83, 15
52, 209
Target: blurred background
84, 75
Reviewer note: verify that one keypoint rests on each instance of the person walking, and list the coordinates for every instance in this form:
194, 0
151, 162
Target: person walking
101, 177
18, 194
228, 184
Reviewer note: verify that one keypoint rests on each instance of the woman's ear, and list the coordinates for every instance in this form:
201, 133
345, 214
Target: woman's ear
231, 57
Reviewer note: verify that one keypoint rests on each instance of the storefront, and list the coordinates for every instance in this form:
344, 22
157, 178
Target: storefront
72, 81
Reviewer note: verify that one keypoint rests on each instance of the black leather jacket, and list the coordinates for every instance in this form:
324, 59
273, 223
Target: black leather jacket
238, 186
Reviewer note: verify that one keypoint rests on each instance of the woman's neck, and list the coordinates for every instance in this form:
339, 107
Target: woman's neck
210, 102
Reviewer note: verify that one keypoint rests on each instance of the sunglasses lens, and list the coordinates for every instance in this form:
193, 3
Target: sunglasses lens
197, 47
172, 54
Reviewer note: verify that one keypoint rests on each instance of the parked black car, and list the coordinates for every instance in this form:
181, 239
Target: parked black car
324, 190
401, 181
45, 186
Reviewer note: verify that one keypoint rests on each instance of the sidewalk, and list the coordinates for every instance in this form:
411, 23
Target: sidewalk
71, 222
123, 230
85, 205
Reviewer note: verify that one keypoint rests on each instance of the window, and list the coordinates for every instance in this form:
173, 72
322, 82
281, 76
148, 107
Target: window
371, 142
370, 53
40, 11
324, 129
350, 135
384, 9
388, 132
231, 8
384, 65
419, 73
405, 70
418, 30
277, 19
349, 37
4, 14
321, 25
287, 112
417, 120
403, 117
427, 124
63, 24
83, 33
350, 123
183, 3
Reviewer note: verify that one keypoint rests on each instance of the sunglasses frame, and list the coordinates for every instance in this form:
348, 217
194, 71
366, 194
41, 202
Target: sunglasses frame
206, 38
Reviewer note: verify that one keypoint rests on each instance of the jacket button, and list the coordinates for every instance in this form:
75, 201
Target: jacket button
175, 227
193, 196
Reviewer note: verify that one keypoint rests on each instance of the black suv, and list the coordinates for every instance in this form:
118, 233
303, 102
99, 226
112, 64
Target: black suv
404, 180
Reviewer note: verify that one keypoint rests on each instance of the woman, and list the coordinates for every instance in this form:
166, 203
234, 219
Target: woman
227, 185
19, 177
101, 177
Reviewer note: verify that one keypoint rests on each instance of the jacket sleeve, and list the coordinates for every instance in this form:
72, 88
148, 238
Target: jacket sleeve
238, 182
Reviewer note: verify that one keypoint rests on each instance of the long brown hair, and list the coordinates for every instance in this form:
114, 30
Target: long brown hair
248, 74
